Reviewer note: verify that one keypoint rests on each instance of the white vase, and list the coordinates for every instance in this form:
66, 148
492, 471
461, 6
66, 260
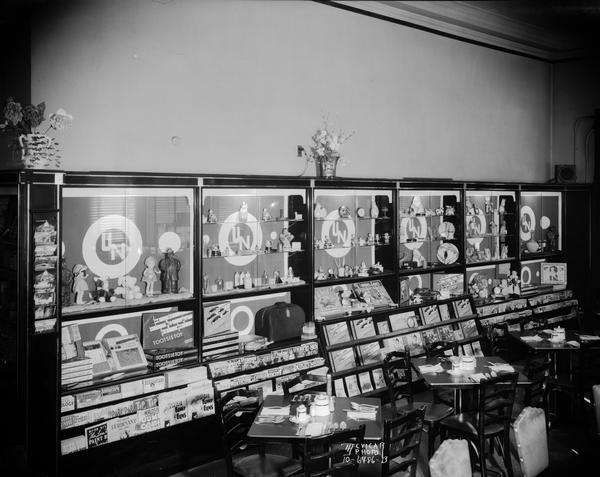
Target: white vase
38, 151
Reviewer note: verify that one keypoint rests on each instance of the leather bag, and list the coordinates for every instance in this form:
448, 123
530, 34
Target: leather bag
279, 322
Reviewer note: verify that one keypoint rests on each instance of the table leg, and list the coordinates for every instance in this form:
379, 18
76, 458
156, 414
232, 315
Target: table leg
458, 401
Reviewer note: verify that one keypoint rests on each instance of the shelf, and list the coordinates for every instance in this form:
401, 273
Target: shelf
393, 334
440, 239
263, 367
490, 214
240, 292
526, 256
121, 305
486, 235
338, 281
253, 254
427, 216
316, 249
267, 349
356, 314
274, 221
119, 378
376, 219
490, 262
441, 268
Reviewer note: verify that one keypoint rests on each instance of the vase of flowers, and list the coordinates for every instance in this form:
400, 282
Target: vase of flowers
325, 151
30, 148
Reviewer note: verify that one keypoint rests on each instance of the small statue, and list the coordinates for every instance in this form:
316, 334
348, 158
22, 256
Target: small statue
514, 283
277, 277
212, 217
449, 210
386, 238
361, 242
103, 292
80, 286
243, 212
268, 246
488, 205
370, 240
290, 273
169, 267
439, 211
551, 238
285, 237
468, 207
266, 215
502, 207
150, 275
344, 212
504, 252
320, 212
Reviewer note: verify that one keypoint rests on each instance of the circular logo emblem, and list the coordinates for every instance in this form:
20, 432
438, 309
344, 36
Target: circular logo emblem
242, 319
527, 226
414, 231
339, 231
242, 239
112, 246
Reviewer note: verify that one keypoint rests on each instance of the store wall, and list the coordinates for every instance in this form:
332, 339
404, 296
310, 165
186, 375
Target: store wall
233, 87
576, 97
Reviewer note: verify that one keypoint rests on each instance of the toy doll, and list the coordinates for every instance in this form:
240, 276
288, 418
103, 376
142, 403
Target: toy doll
150, 275
80, 285
169, 267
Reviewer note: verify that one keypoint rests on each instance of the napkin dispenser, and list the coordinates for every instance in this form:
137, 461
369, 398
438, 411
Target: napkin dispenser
320, 405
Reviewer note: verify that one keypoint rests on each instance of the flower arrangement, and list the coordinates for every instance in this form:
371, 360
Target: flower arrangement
22, 123
25, 119
325, 150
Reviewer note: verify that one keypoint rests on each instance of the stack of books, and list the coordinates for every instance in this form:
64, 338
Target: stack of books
222, 344
166, 358
76, 370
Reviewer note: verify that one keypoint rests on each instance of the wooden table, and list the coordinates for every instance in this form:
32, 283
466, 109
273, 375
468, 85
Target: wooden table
459, 382
288, 431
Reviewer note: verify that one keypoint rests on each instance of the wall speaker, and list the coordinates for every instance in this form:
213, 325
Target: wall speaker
564, 173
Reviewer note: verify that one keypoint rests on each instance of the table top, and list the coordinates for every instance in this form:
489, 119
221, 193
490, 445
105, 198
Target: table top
461, 379
288, 431
550, 345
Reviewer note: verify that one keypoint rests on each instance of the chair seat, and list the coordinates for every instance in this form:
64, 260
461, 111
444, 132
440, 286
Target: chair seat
433, 412
265, 465
466, 424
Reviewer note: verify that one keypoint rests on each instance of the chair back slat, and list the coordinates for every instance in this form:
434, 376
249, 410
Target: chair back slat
496, 399
402, 438
440, 348
397, 372
326, 454
537, 373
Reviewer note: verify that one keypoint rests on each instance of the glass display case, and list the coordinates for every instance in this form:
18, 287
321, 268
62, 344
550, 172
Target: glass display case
353, 234
125, 246
429, 229
490, 226
540, 223
253, 239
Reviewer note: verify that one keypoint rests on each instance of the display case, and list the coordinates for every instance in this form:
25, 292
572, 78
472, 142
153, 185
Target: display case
429, 241
255, 253
490, 226
540, 223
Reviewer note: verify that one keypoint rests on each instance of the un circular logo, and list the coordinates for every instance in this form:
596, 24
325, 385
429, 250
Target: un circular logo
112, 246
339, 231
240, 237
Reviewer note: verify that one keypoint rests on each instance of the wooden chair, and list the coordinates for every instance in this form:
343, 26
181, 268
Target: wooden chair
537, 371
491, 422
325, 455
398, 377
236, 412
442, 349
402, 440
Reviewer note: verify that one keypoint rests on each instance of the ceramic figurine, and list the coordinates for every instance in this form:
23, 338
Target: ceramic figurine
80, 286
374, 210
353, 240
247, 281
236, 280
150, 275
361, 242
277, 277
504, 252
503, 231
320, 212
468, 207
265, 278
212, 217
205, 283
514, 283
268, 246
344, 212
386, 238
266, 215
488, 205
377, 239
226, 252
285, 237
384, 210
428, 212
494, 228
103, 292
243, 212
219, 282
290, 273
169, 266
502, 207
449, 210
551, 238
330, 274
439, 211
370, 239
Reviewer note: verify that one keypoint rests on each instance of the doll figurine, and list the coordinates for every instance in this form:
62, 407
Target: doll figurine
212, 217
169, 267
285, 237
243, 213
80, 286
266, 215
150, 275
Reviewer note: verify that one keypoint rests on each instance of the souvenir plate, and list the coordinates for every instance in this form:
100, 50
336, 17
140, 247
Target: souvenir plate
447, 253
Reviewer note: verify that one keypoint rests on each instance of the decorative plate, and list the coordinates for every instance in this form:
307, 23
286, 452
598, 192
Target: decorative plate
447, 253
360, 212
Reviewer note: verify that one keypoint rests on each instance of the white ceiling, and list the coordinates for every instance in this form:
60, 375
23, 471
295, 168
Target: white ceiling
552, 30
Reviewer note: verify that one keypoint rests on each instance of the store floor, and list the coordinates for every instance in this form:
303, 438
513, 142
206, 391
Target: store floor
570, 452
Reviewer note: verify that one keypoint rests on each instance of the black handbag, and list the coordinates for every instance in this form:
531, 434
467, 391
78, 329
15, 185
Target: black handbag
279, 322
